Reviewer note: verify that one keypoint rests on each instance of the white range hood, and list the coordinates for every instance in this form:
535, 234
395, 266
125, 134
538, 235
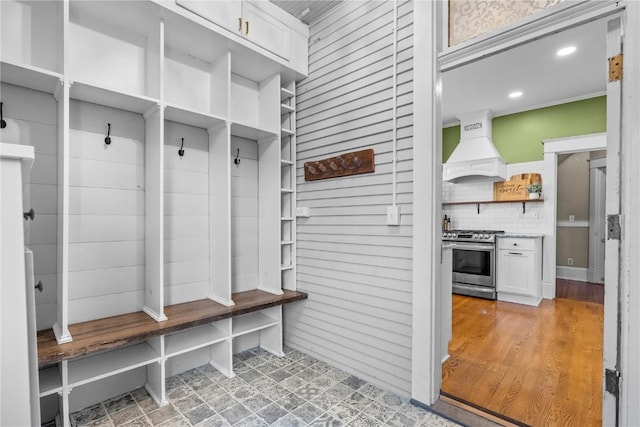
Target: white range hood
475, 157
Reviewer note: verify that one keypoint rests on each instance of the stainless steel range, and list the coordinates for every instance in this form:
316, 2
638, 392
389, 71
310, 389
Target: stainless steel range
474, 262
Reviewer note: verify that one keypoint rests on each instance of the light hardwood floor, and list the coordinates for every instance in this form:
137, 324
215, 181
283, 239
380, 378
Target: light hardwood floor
538, 365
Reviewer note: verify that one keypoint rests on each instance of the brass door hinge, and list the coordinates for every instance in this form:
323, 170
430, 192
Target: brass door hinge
615, 68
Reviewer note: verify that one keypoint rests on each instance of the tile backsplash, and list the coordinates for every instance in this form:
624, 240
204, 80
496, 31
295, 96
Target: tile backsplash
499, 216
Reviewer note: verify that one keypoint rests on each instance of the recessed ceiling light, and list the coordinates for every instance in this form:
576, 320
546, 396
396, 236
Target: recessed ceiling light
566, 51
516, 94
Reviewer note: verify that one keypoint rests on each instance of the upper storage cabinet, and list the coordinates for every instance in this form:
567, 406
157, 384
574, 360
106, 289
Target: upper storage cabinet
115, 46
226, 14
264, 29
260, 22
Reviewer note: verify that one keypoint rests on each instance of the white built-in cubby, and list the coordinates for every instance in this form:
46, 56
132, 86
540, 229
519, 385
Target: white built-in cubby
164, 173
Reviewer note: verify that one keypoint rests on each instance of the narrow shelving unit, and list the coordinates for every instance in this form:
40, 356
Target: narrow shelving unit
288, 185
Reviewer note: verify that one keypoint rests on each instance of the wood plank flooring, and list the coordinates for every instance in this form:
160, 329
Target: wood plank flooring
580, 291
538, 365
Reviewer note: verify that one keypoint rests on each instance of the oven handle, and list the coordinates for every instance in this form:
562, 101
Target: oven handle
468, 247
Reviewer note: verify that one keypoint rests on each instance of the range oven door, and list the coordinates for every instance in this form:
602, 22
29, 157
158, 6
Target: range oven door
474, 264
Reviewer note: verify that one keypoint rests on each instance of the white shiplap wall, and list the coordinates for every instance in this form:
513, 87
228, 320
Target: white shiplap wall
186, 208
31, 118
106, 212
356, 269
244, 215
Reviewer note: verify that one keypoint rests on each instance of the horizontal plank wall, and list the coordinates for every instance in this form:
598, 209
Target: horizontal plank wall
186, 209
31, 118
106, 212
244, 214
356, 269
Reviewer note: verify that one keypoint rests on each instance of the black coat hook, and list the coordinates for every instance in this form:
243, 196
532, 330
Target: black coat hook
236, 161
3, 124
31, 214
181, 150
107, 140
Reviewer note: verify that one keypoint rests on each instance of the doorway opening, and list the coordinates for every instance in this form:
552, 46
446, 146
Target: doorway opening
517, 361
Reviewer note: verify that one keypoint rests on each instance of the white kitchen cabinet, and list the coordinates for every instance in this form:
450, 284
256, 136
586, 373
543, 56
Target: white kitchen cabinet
519, 270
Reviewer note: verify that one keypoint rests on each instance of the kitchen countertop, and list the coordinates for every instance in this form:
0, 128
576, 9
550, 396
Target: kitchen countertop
521, 235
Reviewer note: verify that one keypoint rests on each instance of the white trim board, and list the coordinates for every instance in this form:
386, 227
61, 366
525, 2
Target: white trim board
552, 148
572, 273
575, 224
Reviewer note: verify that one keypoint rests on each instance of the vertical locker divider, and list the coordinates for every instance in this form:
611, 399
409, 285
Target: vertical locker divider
271, 337
64, 393
269, 180
154, 182
154, 195
155, 384
220, 214
61, 325
220, 186
221, 354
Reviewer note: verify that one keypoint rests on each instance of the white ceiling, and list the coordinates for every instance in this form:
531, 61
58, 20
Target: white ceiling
297, 8
534, 69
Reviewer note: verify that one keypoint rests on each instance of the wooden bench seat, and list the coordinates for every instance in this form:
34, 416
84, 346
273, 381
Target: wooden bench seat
118, 331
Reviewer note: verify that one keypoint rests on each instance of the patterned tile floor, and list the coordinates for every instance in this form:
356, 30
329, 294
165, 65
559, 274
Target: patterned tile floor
295, 390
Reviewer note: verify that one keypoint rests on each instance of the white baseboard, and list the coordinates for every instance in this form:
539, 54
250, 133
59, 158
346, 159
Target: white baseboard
572, 273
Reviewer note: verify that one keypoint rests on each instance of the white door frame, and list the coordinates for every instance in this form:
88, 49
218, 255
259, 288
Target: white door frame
428, 25
597, 229
553, 148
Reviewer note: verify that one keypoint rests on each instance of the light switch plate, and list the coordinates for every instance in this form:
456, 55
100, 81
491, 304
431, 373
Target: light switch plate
393, 215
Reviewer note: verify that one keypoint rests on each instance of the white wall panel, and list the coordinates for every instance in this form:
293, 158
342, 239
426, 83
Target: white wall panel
107, 212
244, 215
186, 226
356, 269
98, 282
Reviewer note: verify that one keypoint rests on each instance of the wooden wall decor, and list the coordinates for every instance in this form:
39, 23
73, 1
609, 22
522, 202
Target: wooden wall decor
514, 189
346, 164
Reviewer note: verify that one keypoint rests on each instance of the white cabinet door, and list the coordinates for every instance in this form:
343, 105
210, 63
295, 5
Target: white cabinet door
516, 272
265, 30
227, 14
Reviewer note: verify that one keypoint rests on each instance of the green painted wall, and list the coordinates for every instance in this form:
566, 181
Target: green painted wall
518, 136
